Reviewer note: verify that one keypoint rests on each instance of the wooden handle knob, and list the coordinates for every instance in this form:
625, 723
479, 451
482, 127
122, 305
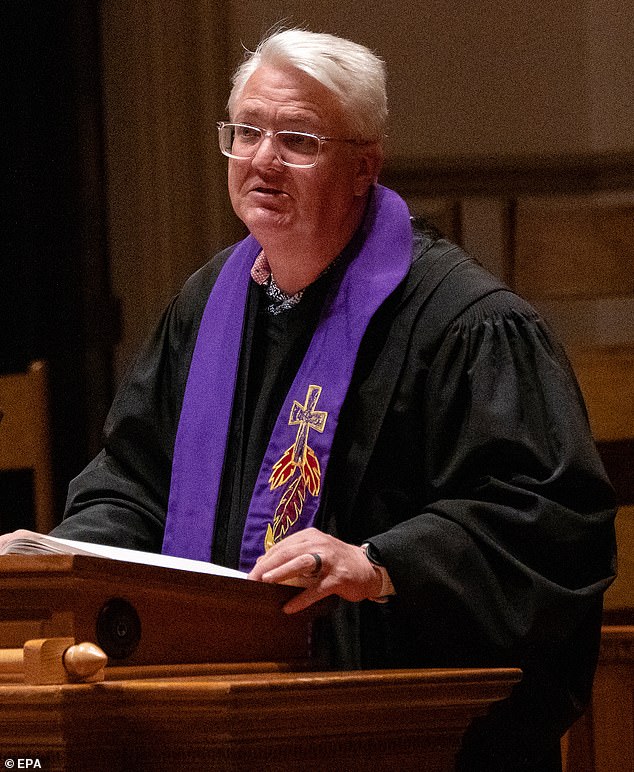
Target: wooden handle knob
84, 660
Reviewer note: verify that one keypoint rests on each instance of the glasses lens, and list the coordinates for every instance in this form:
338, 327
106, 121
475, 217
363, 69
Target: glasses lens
238, 140
293, 148
297, 148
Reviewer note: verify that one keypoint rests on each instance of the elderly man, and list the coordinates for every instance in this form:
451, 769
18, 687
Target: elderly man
346, 400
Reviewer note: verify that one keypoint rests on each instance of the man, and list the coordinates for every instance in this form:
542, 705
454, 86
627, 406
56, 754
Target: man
347, 400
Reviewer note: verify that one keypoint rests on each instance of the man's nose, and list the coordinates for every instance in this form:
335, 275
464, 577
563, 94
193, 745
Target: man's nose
265, 155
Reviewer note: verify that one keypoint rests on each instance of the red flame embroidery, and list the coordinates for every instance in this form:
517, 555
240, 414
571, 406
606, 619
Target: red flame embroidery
299, 457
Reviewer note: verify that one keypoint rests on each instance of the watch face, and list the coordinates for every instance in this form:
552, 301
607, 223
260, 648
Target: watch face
372, 554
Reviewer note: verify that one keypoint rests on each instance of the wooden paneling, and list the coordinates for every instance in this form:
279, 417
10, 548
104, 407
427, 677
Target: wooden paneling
511, 176
444, 213
613, 701
165, 86
572, 248
603, 739
606, 377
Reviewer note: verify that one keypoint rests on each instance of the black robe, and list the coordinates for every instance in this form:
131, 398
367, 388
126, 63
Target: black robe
463, 453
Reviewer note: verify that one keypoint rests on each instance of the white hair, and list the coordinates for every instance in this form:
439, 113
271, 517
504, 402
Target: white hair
354, 74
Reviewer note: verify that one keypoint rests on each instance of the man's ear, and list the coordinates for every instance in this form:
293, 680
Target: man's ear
369, 163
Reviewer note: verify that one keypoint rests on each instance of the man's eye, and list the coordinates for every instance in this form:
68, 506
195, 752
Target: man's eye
298, 142
247, 134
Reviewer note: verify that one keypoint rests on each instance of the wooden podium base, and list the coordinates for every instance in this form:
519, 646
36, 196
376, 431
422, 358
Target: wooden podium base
373, 720
206, 673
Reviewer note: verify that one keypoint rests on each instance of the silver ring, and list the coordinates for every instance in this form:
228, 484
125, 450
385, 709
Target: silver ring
318, 563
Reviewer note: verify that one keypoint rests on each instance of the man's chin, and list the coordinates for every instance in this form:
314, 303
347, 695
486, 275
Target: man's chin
263, 220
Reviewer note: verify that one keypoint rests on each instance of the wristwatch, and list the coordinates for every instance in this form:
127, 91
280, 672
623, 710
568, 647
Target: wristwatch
387, 588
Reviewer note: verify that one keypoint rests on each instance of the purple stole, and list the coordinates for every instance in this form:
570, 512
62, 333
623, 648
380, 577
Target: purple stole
288, 488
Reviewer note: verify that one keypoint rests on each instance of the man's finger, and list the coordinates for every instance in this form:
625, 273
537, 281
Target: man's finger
303, 600
301, 567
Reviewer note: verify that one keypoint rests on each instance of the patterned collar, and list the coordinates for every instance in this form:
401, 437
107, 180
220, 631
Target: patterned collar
279, 301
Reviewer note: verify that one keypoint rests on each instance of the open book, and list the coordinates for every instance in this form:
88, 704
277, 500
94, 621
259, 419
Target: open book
35, 543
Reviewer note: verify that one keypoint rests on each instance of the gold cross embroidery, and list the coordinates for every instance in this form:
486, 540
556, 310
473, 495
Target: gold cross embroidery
308, 418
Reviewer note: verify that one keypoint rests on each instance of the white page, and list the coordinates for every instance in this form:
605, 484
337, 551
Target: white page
51, 544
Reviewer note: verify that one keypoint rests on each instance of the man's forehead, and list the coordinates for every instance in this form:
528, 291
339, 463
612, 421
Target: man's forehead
287, 95
253, 109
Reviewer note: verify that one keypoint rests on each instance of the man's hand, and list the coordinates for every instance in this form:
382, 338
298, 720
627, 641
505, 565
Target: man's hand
343, 569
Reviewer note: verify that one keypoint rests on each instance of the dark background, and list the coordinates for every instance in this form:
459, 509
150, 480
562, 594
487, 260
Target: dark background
54, 284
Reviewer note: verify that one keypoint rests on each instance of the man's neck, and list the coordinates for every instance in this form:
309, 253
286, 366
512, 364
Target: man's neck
296, 264
293, 273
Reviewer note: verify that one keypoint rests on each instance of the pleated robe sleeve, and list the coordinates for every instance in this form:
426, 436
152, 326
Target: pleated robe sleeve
512, 546
518, 519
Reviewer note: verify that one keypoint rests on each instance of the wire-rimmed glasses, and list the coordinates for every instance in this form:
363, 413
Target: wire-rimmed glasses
297, 149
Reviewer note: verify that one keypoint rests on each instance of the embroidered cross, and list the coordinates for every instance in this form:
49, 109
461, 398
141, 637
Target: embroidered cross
308, 418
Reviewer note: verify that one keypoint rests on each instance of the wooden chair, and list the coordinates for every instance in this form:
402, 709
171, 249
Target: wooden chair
25, 435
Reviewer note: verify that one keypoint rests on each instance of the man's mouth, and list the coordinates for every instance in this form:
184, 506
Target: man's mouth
268, 191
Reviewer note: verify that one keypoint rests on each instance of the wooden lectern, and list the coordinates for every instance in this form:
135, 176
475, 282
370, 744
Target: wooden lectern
148, 615
208, 673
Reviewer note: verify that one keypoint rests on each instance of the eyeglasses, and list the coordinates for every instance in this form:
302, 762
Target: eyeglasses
292, 148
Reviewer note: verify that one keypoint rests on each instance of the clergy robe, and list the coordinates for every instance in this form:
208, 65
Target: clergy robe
462, 453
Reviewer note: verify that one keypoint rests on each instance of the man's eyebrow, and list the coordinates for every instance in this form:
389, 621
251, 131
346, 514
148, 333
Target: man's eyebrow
246, 116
